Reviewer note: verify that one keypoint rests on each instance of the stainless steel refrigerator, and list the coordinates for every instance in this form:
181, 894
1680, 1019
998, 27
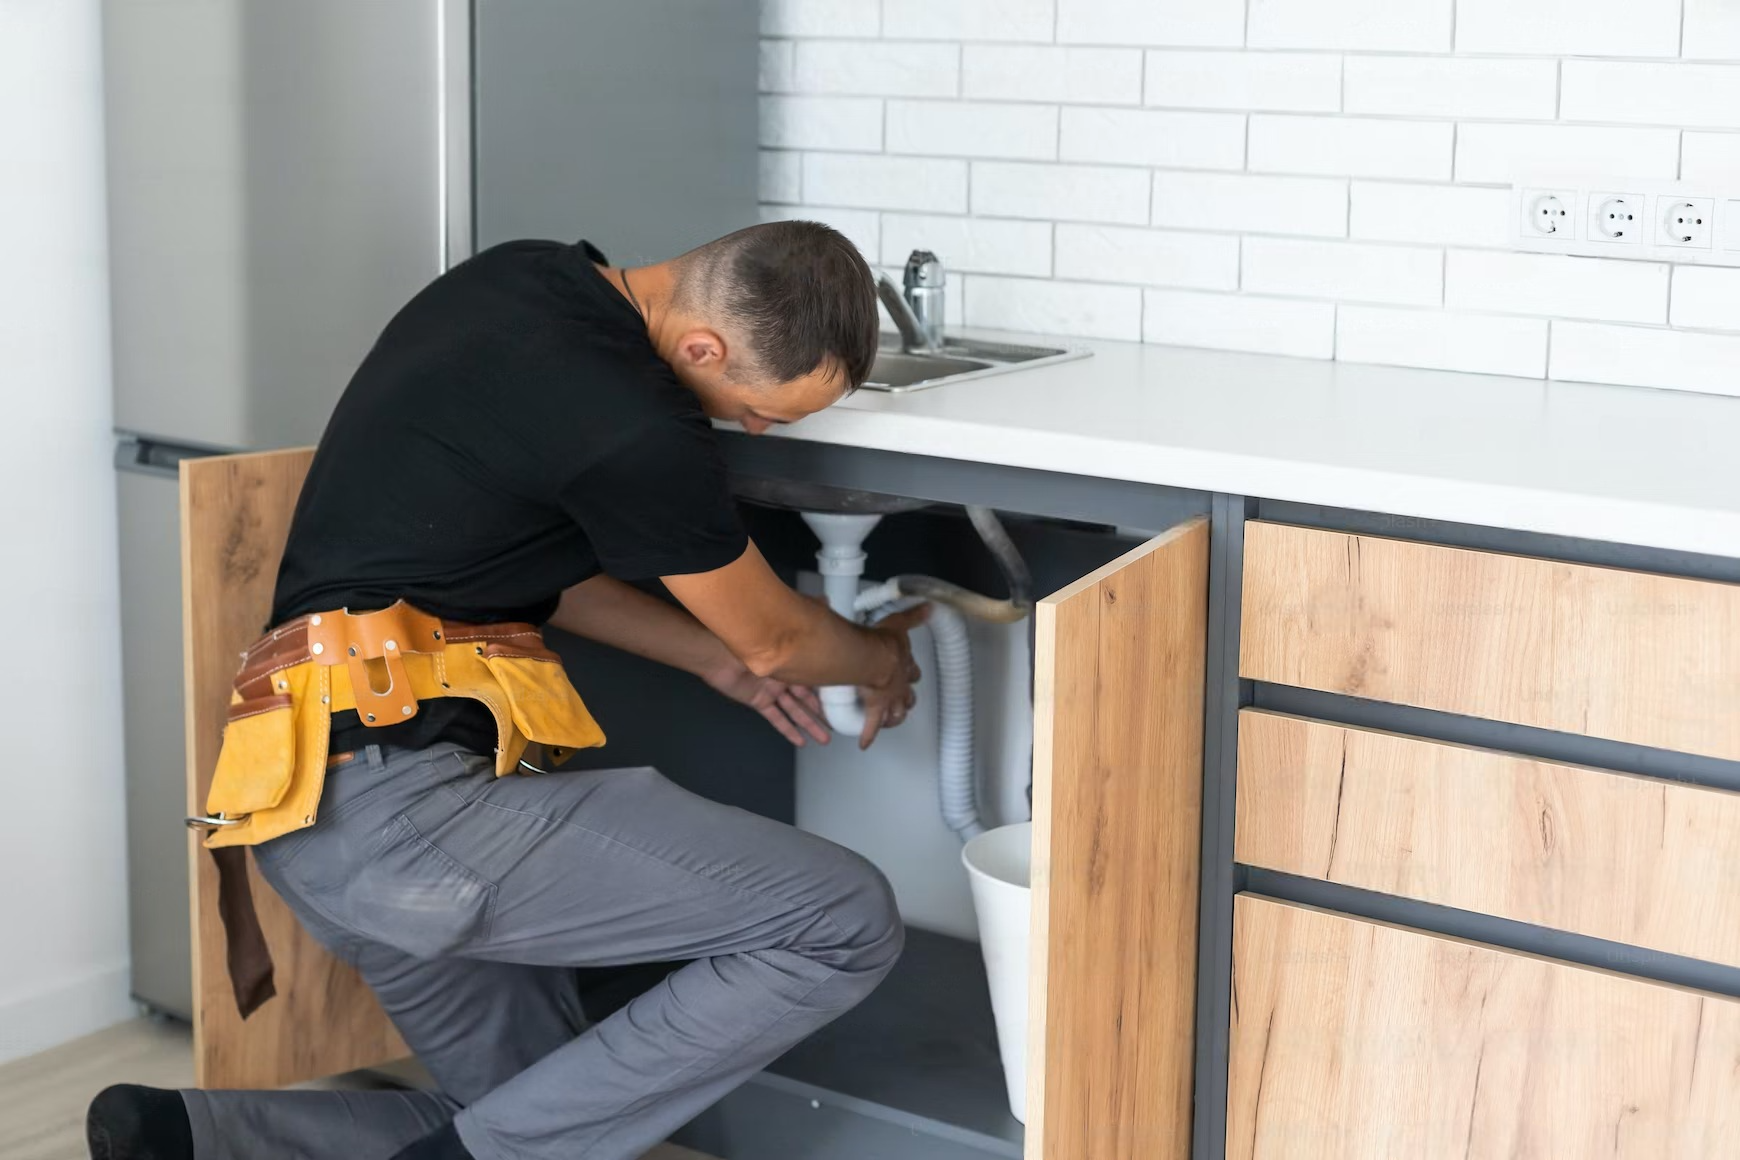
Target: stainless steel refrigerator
282, 177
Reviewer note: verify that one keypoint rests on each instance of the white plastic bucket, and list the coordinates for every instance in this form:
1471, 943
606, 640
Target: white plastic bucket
998, 862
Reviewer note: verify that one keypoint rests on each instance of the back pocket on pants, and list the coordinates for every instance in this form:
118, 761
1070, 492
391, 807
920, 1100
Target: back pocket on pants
412, 896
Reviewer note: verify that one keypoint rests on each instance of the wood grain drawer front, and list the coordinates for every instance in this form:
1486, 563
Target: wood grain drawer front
1631, 656
1633, 859
1354, 1040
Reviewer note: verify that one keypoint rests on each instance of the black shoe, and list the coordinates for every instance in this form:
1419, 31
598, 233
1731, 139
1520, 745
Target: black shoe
130, 1122
442, 1145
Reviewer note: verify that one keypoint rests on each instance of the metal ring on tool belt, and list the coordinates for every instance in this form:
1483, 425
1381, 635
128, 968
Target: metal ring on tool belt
212, 822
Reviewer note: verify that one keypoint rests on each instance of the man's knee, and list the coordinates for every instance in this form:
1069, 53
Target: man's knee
863, 920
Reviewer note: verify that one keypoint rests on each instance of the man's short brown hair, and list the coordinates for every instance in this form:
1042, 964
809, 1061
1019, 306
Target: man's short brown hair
799, 292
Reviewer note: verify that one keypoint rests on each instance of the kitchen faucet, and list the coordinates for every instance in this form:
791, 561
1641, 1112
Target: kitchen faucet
918, 311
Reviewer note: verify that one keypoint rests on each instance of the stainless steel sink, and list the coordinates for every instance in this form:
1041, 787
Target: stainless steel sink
897, 370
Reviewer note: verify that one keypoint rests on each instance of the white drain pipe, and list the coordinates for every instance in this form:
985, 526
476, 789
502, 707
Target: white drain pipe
841, 563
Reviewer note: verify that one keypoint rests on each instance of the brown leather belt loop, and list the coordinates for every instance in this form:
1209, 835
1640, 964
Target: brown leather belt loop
384, 636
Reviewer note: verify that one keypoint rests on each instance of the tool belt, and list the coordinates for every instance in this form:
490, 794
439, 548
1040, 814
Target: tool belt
272, 765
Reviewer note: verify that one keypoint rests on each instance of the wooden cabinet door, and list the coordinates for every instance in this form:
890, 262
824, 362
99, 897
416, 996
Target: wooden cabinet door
1630, 859
1117, 807
1637, 657
1360, 1040
235, 515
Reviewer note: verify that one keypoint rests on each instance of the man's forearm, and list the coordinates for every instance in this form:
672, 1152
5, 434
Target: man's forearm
826, 649
624, 617
823, 649
777, 633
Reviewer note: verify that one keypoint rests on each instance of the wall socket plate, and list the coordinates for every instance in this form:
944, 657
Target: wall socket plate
1620, 217
1617, 218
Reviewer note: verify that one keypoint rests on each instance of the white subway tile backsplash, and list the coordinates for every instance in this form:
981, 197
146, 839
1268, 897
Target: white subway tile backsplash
1239, 322
1326, 178
1087, 193
1154, 137
819, 18
1501, 153
1306, 82
877, 182
1047, 307
1706, 297
778, 60
863, 228
1239, 202
1712, 30
976, 245
1444, 215
1346, 271
1351, 146
1641, 356
1150, 257
853, 123
1415, 86
1018, 72
1025, 20
972, 129
1569, 27
1355, 25
876, 68
1711, 157
1482, 343
781, 176
1696, 95
1556, 285
1151, 22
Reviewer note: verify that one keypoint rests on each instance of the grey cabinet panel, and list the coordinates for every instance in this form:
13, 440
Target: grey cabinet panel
153, 704
631, 124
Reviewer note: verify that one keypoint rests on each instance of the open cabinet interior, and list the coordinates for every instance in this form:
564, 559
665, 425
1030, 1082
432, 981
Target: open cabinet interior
915, 1072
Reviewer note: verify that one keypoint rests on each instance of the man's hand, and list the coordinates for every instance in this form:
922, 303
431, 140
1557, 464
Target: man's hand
777, 633
886, 705
794, 710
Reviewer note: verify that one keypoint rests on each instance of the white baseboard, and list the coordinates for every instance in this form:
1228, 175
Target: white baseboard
51, 1017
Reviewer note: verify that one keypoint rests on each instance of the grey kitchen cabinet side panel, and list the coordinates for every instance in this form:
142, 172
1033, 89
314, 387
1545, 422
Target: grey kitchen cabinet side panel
154, 711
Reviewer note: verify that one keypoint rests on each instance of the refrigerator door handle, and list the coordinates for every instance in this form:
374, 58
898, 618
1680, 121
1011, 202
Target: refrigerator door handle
148, 457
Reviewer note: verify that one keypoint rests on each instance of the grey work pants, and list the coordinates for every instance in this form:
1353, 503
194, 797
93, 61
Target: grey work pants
466, 902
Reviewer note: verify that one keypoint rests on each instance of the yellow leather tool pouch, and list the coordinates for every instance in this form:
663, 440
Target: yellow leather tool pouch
257, 759
271, 768
544, 706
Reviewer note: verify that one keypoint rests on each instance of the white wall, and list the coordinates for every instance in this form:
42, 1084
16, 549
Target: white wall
63, 917
1324, 178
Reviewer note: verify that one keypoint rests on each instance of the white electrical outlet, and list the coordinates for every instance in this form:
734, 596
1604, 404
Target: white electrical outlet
1619, 217
1687, 221
1547, 213
1616, 218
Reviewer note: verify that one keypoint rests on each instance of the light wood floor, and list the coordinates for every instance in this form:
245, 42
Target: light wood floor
43, 1098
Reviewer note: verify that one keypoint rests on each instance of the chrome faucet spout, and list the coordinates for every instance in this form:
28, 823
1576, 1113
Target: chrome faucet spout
913, 339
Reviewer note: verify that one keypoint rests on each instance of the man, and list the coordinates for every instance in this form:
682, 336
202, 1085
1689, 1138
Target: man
529, 433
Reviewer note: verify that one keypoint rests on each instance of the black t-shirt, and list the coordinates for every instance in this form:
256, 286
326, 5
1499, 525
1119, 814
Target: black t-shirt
512, 432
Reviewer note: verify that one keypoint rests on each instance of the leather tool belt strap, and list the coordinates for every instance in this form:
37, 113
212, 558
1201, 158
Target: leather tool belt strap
271, 768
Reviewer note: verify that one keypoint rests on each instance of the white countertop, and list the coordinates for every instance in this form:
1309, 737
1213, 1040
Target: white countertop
1630, 464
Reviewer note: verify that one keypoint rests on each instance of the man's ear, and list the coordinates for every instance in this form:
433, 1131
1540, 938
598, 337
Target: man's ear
702, 348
